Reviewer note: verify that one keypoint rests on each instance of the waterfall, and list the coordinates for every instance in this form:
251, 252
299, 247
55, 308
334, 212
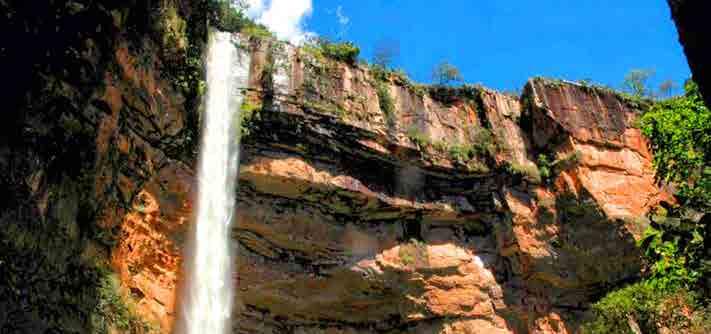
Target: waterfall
207, 300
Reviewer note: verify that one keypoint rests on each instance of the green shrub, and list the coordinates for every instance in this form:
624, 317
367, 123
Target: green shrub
417, 137
675, 248
611, 313
484, 143
398, 76
674, 245
346, 52
651, 309
256, 31
387, 104
248, 113
679, 130
462, 153
226, 16
529, 172
449, 95
669, 269
111, 310
545, 167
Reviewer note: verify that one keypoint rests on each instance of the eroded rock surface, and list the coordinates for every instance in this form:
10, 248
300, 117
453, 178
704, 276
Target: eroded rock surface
367, 204
354, 220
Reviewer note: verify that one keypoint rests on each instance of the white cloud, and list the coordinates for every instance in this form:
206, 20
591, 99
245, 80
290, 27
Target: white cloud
342, 19
254, 8
283, 17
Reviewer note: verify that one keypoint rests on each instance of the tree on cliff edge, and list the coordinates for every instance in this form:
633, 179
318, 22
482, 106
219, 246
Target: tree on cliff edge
636, 82
446, 74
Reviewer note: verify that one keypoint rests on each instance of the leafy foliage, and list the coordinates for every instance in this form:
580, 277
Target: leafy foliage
249, 114
462, 153
417, 137
257, 31
226, 15
528, 172
676, 244
386, 101
649, 308
675, 247
229, 15
111, 310
398, 77
611, 313
449, 95
484, 142
346, 52
679, 130
545, 167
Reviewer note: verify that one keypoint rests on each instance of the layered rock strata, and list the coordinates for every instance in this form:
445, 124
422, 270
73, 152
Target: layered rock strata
367, 203
436, 216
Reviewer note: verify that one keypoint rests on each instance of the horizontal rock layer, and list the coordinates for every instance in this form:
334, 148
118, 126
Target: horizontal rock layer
366, 203
355, 219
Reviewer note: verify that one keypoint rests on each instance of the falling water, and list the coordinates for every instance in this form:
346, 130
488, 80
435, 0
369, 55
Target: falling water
207, 303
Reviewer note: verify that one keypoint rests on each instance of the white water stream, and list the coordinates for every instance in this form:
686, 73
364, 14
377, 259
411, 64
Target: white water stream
207, 300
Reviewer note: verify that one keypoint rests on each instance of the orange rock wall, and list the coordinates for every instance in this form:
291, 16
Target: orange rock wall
437, 216
345, 224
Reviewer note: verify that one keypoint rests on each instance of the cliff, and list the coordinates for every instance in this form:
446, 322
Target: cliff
366, 204
100, 99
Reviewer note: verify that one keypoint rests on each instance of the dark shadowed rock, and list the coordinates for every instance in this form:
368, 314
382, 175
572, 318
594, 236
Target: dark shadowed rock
691, 17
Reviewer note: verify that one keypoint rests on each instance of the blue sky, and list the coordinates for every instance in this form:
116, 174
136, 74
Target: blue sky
502, 43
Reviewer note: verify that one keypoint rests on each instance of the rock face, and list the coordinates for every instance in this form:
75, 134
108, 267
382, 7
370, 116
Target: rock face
355, 219
97, 145
694, 32
366, 204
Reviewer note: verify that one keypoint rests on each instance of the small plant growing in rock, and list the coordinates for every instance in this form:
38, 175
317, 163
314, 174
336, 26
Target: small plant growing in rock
417, 137
413, 252
387, 104
529, 172
462, 153
248, 112
544, 167
484, 142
